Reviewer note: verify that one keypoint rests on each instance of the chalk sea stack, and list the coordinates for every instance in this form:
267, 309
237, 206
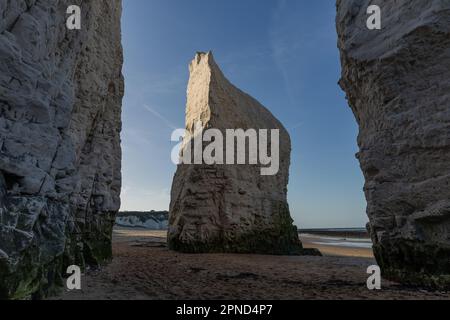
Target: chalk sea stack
60, 157
397, 81
229, 208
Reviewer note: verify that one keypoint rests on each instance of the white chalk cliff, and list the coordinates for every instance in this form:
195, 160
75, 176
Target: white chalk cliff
223, 207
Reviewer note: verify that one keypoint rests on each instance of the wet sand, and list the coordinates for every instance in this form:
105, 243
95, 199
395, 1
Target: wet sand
143, 268
338, 246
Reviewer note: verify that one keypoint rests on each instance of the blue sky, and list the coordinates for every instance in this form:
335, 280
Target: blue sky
284, 54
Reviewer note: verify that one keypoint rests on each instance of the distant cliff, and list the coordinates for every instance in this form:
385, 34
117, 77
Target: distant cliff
154, 220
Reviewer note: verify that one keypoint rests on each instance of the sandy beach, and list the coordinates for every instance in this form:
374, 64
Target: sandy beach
339, 246
143, 268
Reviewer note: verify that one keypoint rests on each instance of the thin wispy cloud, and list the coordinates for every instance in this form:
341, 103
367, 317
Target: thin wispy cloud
135, 137
166, 121
295, 126
157, 83
292, 41
284, 44
167, 83
247, 56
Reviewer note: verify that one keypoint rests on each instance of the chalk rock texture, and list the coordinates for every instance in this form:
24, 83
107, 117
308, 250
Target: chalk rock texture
229, 208
60, 156
397, 81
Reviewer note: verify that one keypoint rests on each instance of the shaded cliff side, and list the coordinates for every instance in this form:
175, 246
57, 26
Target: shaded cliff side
397, 81
60, 156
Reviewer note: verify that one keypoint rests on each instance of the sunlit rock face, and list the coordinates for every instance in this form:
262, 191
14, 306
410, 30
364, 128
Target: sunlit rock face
60, 157
229, 208
397, 81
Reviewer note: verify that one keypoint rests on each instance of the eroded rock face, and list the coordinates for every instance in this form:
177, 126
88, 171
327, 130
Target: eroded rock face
397, 82
60, 157
229, 208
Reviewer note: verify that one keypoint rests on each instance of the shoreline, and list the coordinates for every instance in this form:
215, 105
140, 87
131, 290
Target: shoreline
144, 269
327, 245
